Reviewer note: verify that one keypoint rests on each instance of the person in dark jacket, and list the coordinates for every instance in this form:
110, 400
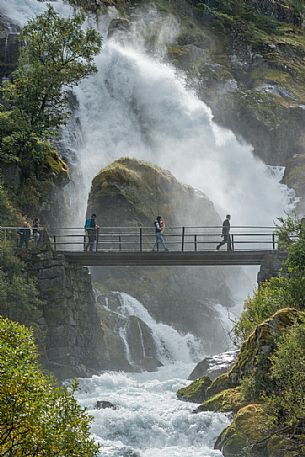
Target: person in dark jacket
159, 227
25, 235
226, 234
36, 231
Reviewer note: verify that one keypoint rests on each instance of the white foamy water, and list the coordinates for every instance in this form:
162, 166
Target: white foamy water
171, 345
138, 106
149, 420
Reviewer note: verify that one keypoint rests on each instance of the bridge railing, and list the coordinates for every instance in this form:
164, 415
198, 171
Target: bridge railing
178, 239
11, 236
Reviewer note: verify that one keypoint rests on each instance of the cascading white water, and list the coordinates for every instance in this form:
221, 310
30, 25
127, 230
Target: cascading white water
149, 420
171, 345
138, 106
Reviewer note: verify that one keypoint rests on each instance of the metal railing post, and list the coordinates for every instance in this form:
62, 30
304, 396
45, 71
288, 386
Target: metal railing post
232, 242
96, 239
54, 242
120, 243
195, 242
141, 240
182, 241
273, 241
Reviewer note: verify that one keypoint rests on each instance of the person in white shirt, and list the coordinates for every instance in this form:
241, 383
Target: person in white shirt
159, 226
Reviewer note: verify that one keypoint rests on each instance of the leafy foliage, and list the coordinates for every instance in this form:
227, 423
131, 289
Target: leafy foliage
288, 373
56, 54
271, 296
18, 294
287, 290
36, 418
281, 385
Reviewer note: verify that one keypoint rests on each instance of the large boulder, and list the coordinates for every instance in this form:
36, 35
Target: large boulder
131, 193
243, 436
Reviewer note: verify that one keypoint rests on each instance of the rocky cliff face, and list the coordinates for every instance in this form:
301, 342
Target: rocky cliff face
132, 193
9, 47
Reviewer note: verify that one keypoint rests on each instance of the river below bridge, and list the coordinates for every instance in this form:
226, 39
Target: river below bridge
149, 420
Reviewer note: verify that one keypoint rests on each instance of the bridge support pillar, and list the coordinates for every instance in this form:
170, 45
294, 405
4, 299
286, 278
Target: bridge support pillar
271, 266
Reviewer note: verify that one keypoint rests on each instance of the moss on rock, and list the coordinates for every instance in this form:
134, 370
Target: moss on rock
137, 191
222, 382
254, 356
225, 401
196, 391
242, 437
58, 167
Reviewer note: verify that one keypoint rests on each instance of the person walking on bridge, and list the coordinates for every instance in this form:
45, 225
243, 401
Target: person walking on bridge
159, 227
36, 231
92, 229
25, 235
226, 234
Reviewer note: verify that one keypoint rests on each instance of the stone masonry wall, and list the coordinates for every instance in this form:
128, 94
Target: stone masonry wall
73, 334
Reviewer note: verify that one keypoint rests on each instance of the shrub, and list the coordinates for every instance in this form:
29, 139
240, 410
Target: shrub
36, 418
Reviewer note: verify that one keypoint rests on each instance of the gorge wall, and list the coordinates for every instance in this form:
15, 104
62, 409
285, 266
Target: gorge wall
72, 332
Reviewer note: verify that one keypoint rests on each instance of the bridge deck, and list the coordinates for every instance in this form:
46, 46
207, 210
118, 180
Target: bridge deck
203, 258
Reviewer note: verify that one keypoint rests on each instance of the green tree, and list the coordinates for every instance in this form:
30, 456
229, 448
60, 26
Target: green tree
36, 418
56, 52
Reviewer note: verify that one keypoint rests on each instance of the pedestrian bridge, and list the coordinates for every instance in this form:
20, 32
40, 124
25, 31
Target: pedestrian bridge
132, 246
170, 259
187, 246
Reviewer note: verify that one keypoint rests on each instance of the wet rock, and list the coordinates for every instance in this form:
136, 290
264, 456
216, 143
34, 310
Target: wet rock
196, 391
118, 25
238, 439
9, 47
214, 366
104, 404
295, 177
129, 343
226, 401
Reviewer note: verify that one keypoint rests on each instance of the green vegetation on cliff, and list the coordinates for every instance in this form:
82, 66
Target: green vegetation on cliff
287, 290
265, 386
36, 418
56, 53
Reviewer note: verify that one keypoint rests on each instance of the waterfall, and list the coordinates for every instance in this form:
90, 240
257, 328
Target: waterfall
171, 345
139, 105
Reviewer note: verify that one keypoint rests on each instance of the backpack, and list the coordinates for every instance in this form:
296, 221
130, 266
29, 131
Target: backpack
88, 223
157, 226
